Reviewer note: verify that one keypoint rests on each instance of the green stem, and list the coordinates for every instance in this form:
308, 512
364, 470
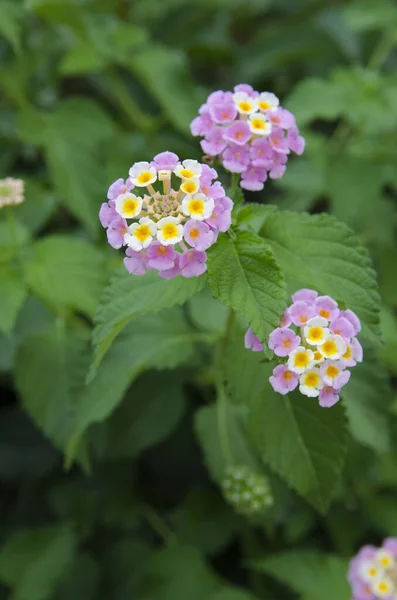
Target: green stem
158, 525
12, 230
382, 50
221, 399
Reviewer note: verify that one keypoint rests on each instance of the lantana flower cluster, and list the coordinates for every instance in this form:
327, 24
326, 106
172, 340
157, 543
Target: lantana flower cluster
247, 491
11, 191
168, 214
373, 572
249, 132
316, 342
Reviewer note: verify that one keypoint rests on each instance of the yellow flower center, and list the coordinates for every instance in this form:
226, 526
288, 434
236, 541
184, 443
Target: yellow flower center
348, 353
324, 313
264, 105
303, 319
144, 177
142, 232
189, 187
130, 206
385, 561
318, 355
194, 233
332, 371
383, 586
245, 106
187, 173
311, 379
315, 334
330, 348
196, 207
301, 359
170, 231
161, 250
258, 124
287, 343
287, 375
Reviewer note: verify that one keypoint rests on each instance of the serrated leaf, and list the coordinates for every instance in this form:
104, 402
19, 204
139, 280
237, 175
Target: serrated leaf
368, 397
13, 293
67, 272
308, 572
172, 87
73, 137
49, 374
302, 442
127, 297
253, 215
319, 252
149, 413
34, 561
244, 275
208, 430
160, 341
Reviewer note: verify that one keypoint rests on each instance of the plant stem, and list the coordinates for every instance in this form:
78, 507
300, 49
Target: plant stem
382, 50
158, 524
221, 399
12, 230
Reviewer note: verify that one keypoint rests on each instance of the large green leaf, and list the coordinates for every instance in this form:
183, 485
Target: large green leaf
13, 293
368, 398
244, 275
66, 272
150, 411
160, 341
127, 297
319, 252
304, 443
34, 561
73, 137
309, 573
209, 430
49, 374
172, 86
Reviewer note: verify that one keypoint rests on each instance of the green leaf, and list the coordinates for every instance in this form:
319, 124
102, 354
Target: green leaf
364, 15
13, 293
302, 442
10, 23
244, 275
172, 87
209, 433
253, 215
67, 273
177, 572
308, 572
11, 240
230, 593
368, 398
315, 98
207, 313
49, 373
127, 297
204, 521
34, 561
83, 58
160, 341
149, 413
381, 510
38, 208
319, 252
73, 137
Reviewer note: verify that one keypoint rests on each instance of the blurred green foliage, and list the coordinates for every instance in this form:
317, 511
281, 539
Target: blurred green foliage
87, 88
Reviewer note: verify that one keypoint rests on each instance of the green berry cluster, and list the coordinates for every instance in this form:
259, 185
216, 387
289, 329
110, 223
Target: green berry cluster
248, 492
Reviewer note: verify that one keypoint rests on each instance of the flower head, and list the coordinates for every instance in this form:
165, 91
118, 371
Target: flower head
11, 191
247, 491
168, 213
265, 132
315, 340
252, 342
373, 572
